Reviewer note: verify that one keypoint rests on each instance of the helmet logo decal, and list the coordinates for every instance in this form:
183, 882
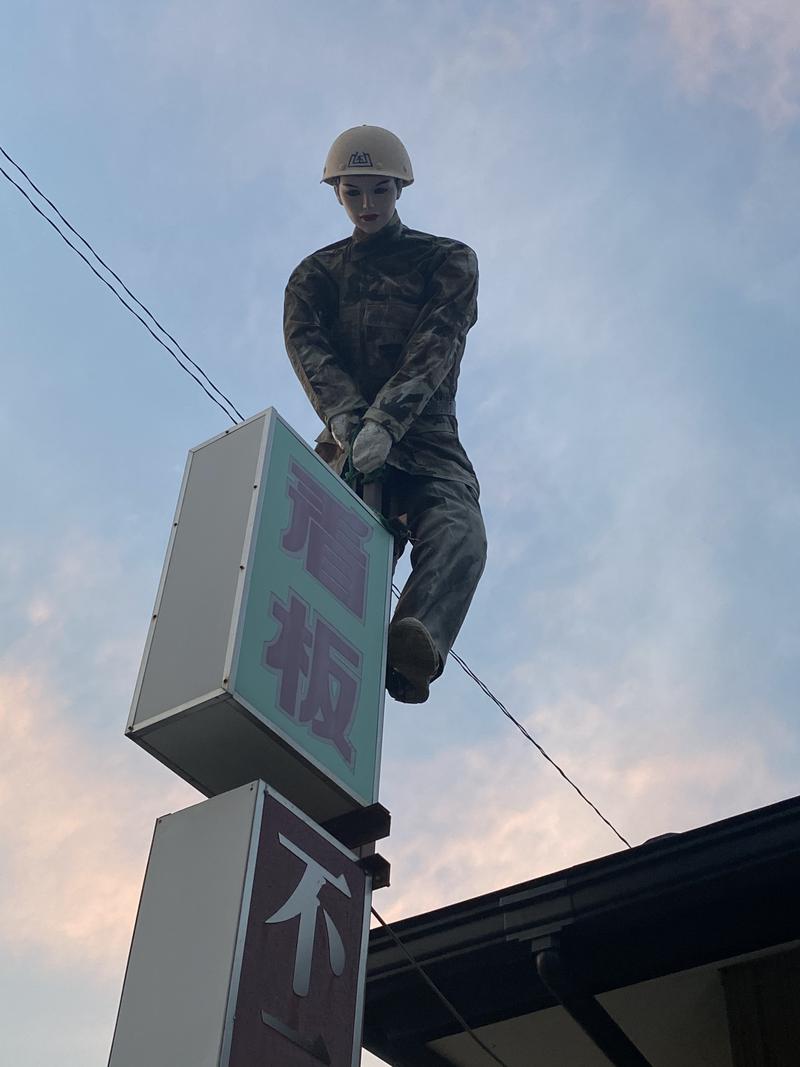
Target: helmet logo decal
360, 159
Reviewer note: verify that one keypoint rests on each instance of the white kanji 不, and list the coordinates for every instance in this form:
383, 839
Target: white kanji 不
305, 902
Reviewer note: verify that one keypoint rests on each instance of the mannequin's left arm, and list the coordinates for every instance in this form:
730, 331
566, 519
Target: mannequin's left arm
433, 345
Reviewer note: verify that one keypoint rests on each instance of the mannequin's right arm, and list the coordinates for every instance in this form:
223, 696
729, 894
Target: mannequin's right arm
328, 386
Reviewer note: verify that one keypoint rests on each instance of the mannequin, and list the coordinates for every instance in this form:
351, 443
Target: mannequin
375, 327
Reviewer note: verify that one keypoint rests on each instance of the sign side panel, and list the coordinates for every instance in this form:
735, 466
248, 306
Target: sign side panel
175, 997
159, 594
187, 654
244, 917
128, 962
270, 417
358, 1021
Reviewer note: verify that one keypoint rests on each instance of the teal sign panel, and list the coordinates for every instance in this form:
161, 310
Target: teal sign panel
311, 653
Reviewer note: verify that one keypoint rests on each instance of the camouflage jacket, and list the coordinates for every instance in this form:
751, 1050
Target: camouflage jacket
376, 324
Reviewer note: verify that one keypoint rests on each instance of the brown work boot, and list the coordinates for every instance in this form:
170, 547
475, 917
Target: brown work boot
413, 661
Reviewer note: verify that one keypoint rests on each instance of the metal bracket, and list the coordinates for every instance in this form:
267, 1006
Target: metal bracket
379, 868
360, 827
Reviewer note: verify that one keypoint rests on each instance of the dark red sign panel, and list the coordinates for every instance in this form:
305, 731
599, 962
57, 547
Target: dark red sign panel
302, 962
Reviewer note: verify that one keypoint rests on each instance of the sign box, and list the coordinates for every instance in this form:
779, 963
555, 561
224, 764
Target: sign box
266, 654
250, 942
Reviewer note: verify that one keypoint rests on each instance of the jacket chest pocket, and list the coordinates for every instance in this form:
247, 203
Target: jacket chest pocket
386, 327
388, 322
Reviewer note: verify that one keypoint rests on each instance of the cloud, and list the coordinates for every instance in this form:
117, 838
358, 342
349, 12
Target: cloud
481, 817
747, 51
76, 605
75, 825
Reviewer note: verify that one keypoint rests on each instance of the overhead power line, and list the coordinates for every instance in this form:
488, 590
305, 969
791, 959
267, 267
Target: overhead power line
221, 402
523, 730
526, 734
459, 1018
227, 401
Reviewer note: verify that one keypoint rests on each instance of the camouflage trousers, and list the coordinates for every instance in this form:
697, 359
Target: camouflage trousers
448, 550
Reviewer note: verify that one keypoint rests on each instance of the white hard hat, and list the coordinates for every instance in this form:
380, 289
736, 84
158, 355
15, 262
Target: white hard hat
367, 150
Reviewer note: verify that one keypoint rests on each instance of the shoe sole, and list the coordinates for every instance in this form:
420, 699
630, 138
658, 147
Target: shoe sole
412, 653
405, 692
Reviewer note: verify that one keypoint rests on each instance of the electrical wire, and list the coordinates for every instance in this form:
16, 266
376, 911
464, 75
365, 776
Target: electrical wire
522, 729
124, 286
459, 1018
525, 733
461, 662
464, 666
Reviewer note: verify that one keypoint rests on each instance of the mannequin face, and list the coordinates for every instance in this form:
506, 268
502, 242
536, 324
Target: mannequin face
368, 200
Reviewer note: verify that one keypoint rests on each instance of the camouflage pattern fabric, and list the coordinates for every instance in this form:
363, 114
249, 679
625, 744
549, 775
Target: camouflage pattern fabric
448, 551
376, 325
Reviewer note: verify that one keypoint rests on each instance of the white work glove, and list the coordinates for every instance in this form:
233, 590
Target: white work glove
343, 427
371, 447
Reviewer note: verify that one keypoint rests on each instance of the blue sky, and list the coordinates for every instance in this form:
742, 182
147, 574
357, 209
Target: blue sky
628, 176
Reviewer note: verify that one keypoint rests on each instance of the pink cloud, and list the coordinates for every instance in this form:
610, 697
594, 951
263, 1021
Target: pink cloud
469, 821
75, 827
